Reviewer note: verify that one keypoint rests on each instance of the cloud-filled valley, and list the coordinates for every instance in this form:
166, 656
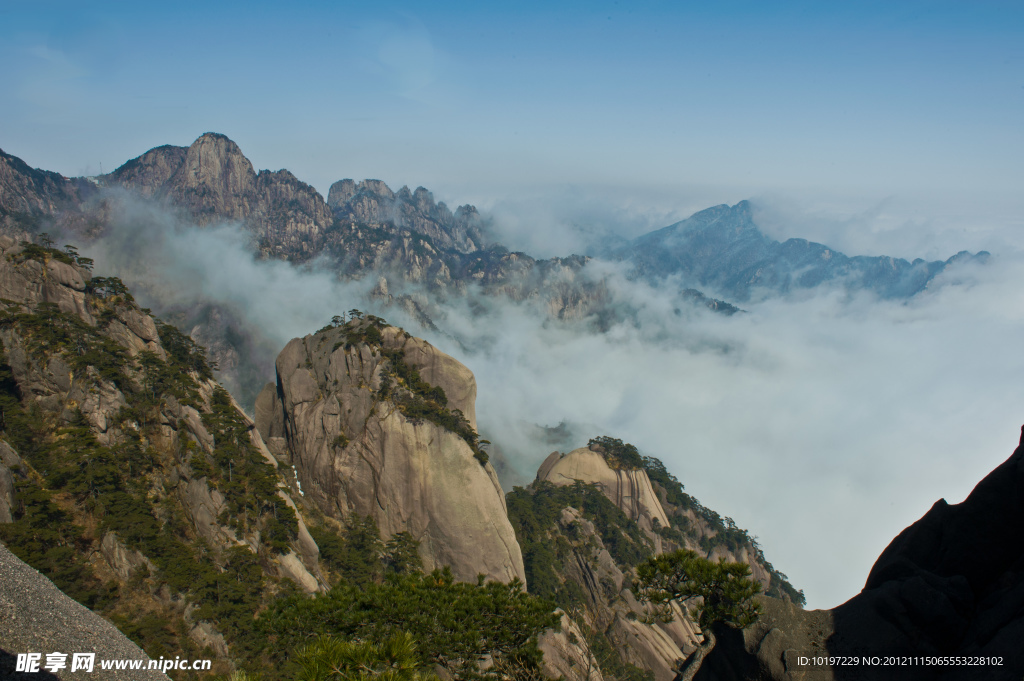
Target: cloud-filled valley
823, 421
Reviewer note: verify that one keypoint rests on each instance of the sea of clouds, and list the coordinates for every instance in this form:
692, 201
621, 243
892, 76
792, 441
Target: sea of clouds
824, 422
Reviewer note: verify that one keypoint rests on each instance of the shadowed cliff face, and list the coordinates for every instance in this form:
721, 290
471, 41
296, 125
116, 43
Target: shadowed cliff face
951, 584
379, 423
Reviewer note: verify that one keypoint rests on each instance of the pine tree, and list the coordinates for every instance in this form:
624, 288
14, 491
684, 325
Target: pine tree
725, 589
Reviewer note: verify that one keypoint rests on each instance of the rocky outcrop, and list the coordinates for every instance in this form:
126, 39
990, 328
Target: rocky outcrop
339, 405
123, 561
90, 377
9, 462
148, 174
373, 202
438, 369
27, 194
597, 550
30, 281
611, 608
213, 180
630, 490
567, 655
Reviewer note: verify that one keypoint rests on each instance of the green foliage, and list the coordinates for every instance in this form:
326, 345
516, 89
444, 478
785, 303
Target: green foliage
247, 480
725, 589
358, 555
44, 251
109, 288
23, 426
47, 538
611, 663
47, 331
618, 454
402, 555
72, 490
534, 512
183, 352
727, 534
359, 561
331, 659
454, 623
422, 401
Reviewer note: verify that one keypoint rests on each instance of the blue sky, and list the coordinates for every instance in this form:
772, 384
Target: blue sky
726, 99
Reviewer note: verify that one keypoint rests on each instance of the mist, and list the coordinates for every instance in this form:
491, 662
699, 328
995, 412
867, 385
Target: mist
823, 422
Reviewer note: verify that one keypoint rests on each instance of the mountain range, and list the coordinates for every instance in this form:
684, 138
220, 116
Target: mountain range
420, 253
354, 490
366, 228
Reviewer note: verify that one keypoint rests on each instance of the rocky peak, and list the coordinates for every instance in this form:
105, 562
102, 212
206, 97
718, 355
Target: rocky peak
27, 193
629, 489
372, 202
147, 174
379, 423
215, 179
340, 192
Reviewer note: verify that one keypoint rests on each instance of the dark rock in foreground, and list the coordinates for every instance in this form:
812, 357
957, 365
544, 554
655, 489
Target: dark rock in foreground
944, 601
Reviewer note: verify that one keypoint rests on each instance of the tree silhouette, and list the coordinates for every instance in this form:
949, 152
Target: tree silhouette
725, 589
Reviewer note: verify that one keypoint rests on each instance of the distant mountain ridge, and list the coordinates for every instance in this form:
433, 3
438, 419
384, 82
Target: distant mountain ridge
407, 237
422, 254
722, 248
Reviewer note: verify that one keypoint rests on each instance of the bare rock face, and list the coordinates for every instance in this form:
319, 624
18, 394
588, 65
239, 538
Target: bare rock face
567, 655
31, 192
612, 608
630, 490
213, 180
356, 451
122, 560
9, 460
437, 368
373, 202
148, 173
30, 281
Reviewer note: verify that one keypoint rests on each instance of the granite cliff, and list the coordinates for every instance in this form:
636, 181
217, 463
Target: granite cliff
584, 524
127, 476
378, 423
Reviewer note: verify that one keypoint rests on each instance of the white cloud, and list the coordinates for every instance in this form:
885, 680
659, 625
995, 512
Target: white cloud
824, 424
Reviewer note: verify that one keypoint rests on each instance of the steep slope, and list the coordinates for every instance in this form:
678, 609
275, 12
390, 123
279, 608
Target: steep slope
373, 202
36, 617
212, 180
127, 476
378, 423
590, 517
29, 195
723, 249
